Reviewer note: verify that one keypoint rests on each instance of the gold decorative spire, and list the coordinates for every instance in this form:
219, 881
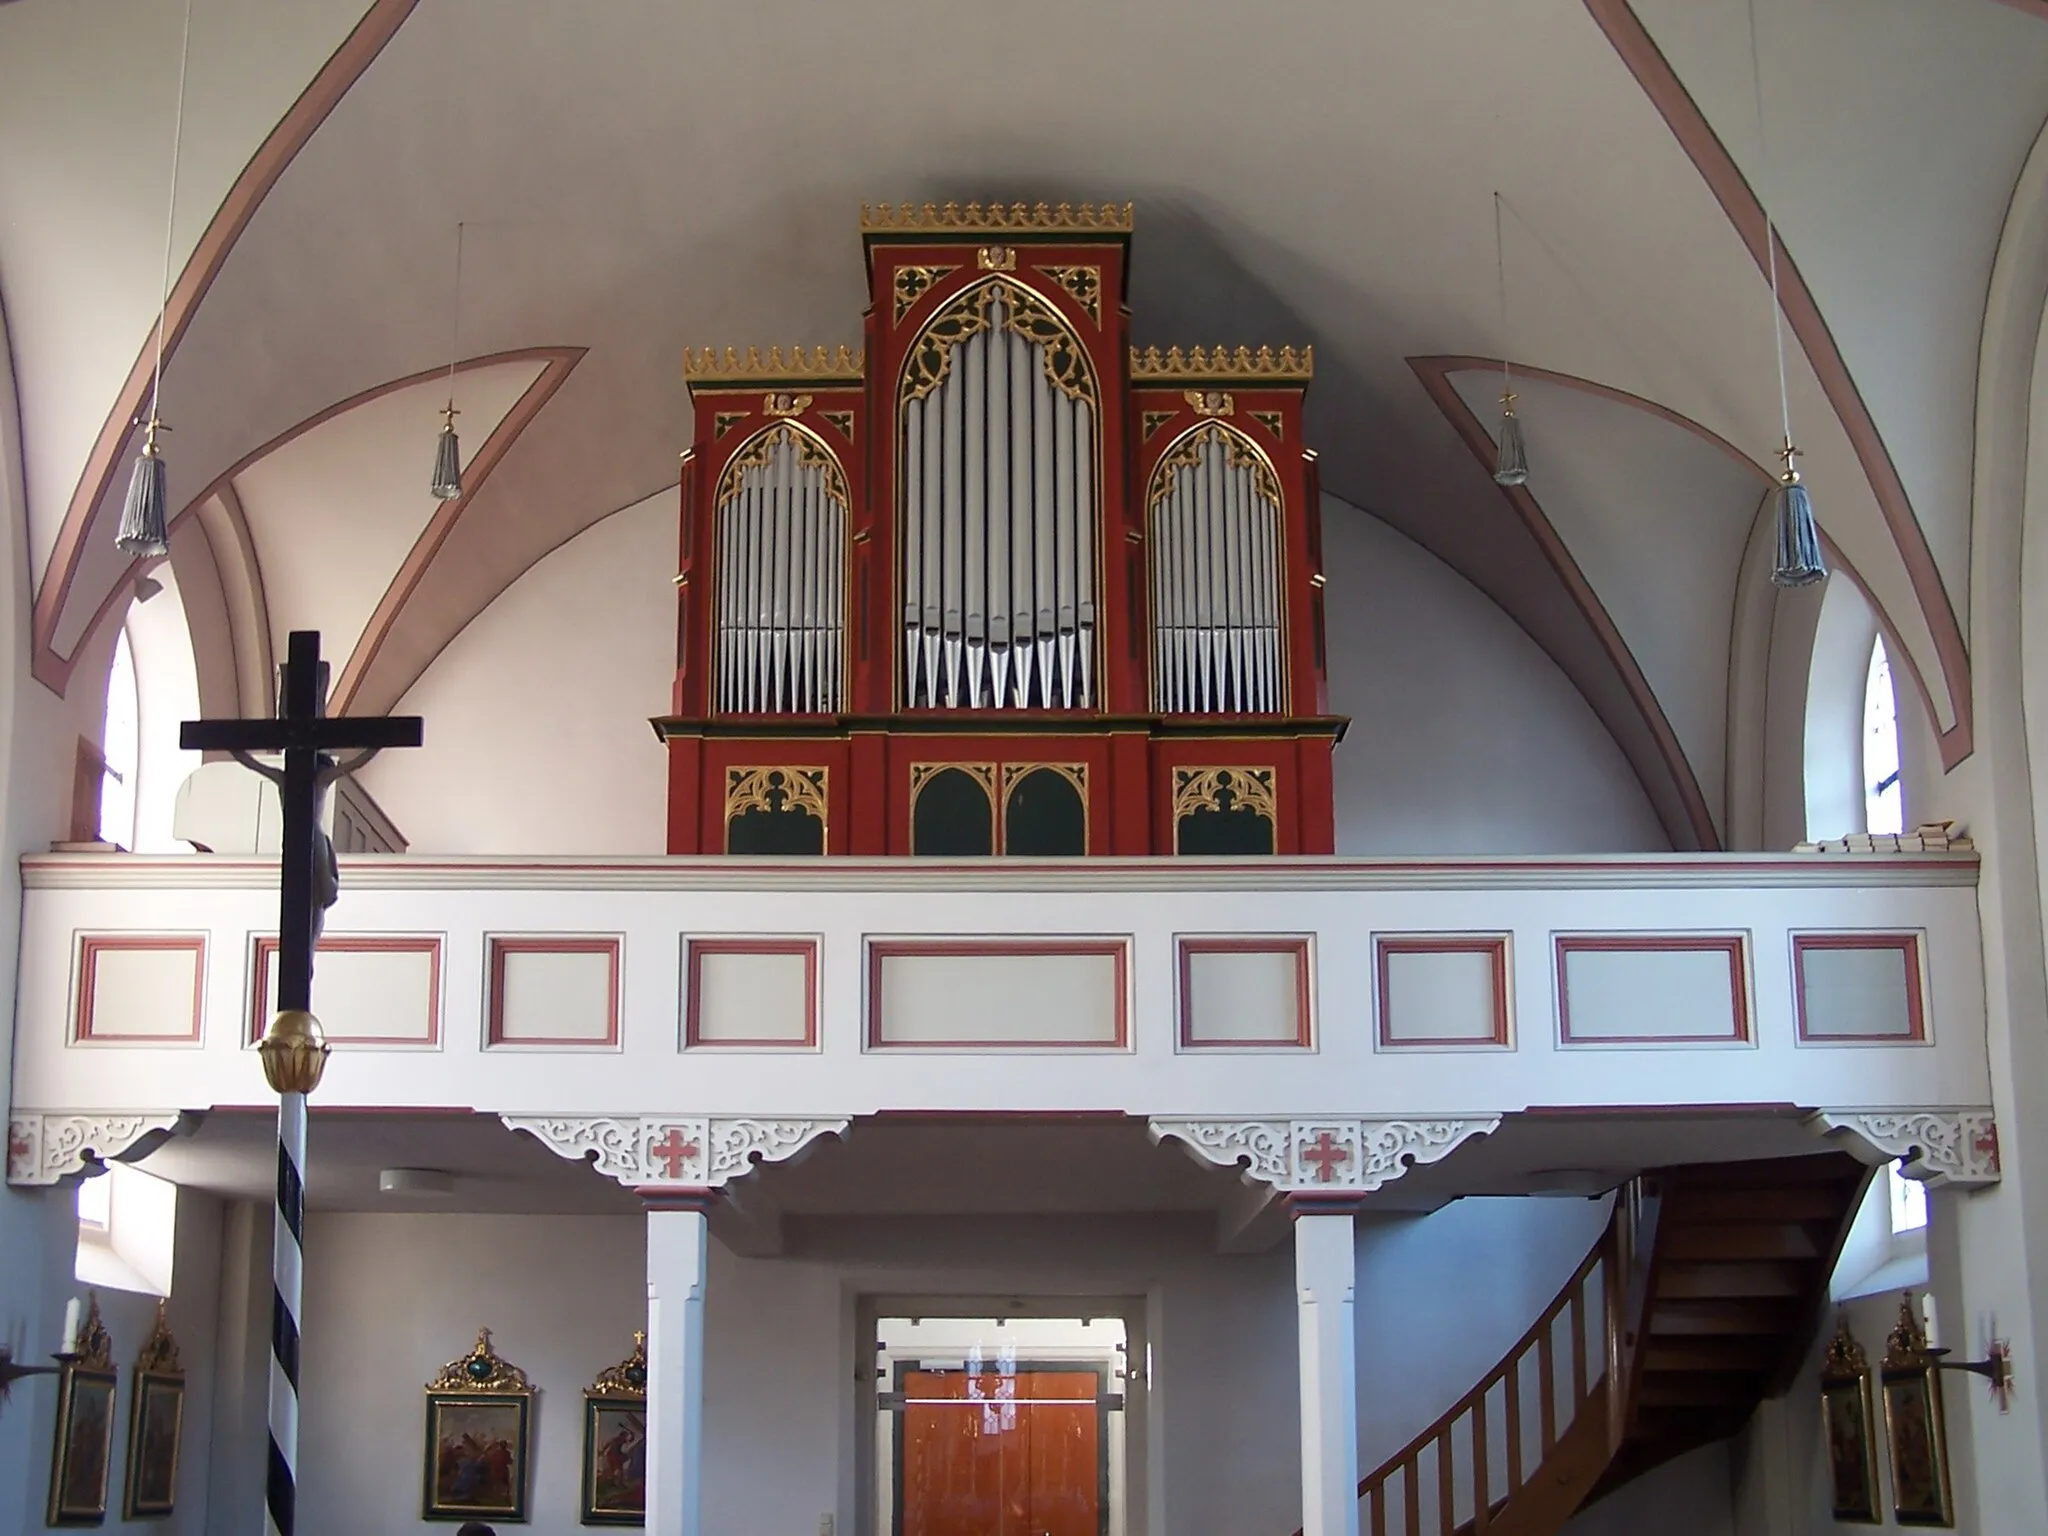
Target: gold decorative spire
1906, 1348
160, 1351
483, 1369
94, 1347
712, 365
626, 1379
1845, 1358
1240, 365
994, 218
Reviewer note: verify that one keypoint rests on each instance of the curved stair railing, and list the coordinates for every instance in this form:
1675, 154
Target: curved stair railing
1519, 1451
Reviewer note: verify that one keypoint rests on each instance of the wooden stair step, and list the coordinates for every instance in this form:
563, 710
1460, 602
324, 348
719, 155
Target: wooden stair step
1708, 1281
1800, 1202
1697, 1389
1740, 1353
1767, 1172
1719, 1241
1695, 1319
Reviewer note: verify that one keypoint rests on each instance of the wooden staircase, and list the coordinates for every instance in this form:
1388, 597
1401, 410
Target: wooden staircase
1697, 1303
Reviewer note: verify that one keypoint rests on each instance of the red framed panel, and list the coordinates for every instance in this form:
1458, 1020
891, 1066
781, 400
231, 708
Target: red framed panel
355, 944
1907, 944
1733, 945
1297, 945
1494, 946
880, 950
93, 945
501, 945
694, 951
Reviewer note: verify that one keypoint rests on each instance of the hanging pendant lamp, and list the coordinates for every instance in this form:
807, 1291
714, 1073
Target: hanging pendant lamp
448, 448
145, 529
1511, 457
1798, 562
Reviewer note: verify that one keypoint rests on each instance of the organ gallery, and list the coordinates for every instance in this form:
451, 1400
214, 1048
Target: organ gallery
999, 582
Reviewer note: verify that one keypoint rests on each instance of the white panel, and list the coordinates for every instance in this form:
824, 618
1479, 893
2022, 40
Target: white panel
752, 997
1243, 996
371, 996
554, 995
1859, 993
998, 999
1650, 994
140, 994
1440, 997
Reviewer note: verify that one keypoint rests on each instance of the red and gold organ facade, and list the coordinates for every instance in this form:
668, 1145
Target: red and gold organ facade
999, 582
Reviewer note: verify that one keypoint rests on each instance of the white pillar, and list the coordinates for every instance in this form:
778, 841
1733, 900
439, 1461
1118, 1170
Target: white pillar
676, 1238
1325, 1276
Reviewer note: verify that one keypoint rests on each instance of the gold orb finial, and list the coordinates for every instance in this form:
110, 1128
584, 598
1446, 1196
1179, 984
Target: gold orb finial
294, 1052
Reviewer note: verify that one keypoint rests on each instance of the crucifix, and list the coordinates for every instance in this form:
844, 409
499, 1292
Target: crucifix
294, 1052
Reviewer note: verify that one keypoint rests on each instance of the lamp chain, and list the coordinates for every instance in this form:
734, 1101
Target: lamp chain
1763, 162
1500, 267
455, 306
156, 385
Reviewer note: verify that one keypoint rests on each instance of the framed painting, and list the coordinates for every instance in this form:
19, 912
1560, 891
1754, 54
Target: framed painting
479, 1417
1848, 1428
82, 1452
1915, 1428
156, 1423
615, 1442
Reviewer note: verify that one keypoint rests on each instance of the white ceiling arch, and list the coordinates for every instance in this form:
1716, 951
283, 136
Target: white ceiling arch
619, 207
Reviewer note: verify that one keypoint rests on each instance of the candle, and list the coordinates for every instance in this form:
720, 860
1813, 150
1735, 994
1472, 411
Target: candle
1933, 1328
71, 1320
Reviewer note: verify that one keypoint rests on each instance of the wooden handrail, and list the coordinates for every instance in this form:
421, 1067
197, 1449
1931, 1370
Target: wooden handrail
1618, 1258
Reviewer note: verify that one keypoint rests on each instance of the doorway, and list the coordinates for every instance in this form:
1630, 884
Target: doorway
1000, 1425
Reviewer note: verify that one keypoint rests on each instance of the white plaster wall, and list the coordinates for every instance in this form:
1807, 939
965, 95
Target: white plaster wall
536, 714
390, 1298
1685, 1497
1465, 737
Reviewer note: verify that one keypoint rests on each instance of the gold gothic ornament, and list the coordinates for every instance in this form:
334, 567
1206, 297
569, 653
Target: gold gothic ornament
1239, 365
995, 218
712, 365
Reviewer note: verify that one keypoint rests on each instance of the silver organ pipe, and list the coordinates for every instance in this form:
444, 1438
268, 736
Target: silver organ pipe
999, 488
780, 565
1215, 555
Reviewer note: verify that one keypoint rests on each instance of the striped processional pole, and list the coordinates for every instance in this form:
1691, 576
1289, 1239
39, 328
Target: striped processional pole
294, 1056
294, 1051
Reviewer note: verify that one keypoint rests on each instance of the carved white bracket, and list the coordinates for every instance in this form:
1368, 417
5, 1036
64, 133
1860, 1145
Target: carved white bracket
1309, 1155
48, 1148
694, 1152
1941, 1146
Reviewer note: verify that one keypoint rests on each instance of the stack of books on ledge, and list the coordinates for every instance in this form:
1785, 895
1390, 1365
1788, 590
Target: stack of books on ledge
1928, 837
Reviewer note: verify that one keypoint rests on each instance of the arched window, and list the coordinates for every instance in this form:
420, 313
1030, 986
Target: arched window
120, 748
1908, 1201
1883, 799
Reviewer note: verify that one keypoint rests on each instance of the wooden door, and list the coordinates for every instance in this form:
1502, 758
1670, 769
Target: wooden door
1001, 1454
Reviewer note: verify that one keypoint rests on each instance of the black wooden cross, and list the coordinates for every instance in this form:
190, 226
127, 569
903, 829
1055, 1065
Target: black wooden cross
304, 734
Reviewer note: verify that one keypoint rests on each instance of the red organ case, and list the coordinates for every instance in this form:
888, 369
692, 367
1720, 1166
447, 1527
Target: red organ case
999, 583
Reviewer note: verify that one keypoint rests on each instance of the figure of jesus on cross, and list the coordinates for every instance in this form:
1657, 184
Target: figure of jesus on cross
294, 1052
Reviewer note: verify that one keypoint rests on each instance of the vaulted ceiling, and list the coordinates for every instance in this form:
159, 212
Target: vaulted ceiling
645, 174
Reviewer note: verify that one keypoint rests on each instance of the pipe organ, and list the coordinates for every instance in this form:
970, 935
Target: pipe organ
998, 582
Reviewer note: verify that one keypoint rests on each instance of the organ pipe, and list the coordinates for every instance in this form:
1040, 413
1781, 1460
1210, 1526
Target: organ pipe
1215, 556
780, 576
999, 518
